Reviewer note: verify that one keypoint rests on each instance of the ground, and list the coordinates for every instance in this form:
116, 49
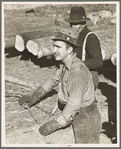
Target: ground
20, 127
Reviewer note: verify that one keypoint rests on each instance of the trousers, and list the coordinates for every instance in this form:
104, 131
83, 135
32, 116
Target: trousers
95, 78
86, 125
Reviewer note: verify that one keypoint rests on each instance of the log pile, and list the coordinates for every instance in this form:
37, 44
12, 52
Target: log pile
12, 39
33, 40
40, 46
29, 85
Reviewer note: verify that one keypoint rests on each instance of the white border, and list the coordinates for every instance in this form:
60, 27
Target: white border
118, 70
3, 83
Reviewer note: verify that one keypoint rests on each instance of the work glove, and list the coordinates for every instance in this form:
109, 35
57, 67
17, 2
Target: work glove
30, 100
49, 127
34, 98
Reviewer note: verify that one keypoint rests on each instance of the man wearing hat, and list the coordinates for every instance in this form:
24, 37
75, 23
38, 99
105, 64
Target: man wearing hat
75, 93
93, 57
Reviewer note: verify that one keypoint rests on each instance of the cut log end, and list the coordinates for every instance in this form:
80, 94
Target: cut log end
19, 43
40, 54
37, 47
32, 47
114, 58
103, 54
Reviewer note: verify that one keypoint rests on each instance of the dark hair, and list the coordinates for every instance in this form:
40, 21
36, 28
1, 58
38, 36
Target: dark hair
78, 23
70, 45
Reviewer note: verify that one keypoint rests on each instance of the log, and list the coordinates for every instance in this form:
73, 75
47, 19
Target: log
30, 85
14, 39
16, 42
114, 58
23, 38
41, 47
32, 47
9, 42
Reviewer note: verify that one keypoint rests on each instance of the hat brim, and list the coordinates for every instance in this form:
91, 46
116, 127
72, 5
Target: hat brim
78, 21
61, 39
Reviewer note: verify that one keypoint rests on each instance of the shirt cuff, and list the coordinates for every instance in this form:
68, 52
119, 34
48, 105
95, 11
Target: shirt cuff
62, 121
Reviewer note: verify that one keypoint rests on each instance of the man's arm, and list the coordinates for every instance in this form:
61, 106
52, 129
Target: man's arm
94, 51
41, 91
53, 80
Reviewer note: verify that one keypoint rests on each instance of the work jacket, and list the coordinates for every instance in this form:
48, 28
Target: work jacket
76, 89
93, 59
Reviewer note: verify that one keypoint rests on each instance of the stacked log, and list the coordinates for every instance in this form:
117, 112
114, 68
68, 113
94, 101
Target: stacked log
114, 58
20, 39
41, 47
19, 44
9, 42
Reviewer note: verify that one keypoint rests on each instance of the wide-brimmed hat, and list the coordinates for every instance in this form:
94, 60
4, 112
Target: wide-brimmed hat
77, 15
67, 35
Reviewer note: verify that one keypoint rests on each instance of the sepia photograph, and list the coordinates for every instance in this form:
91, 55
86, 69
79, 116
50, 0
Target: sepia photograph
60, 74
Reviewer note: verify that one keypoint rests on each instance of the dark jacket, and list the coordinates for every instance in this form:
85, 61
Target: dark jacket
93, 58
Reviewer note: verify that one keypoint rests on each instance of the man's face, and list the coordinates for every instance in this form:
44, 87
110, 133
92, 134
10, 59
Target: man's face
60, 51
75, 27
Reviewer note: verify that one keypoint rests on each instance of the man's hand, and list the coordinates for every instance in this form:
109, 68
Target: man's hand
49, 127
34, 98
30, 100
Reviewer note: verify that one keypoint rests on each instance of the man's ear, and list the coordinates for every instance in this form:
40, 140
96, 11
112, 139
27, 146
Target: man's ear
70, 50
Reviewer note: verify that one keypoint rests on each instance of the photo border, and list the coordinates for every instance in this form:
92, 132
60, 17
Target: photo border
118, 79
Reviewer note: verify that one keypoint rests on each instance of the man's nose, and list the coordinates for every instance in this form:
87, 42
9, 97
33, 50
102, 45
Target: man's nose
55, 49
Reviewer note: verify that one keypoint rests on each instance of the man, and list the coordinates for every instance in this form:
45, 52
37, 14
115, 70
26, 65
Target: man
75, 93
93, 58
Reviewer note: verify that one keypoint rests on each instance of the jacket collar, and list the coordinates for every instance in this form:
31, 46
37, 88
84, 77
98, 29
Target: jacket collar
82, 28
70, 61
82, 35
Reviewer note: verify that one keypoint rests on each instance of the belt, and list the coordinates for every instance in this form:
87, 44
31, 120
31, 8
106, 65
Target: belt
90, 108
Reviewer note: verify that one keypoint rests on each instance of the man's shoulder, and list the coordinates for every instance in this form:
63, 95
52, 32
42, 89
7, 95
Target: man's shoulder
86, 31
92, 35
78, 65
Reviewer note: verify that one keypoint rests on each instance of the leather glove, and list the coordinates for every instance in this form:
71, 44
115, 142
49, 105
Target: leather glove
34, 98
49, 127
27, 99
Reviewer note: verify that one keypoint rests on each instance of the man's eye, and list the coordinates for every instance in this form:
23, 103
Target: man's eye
56, 46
